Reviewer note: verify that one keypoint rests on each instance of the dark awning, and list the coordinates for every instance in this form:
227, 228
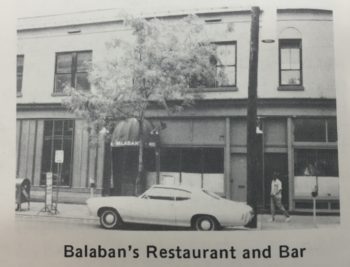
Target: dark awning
127, 132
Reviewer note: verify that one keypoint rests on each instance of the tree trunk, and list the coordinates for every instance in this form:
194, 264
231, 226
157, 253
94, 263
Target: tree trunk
107, 166
140, 165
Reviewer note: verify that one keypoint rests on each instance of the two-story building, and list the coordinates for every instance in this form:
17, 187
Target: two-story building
204, 145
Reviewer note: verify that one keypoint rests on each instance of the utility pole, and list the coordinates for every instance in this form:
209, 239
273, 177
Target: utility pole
252, 151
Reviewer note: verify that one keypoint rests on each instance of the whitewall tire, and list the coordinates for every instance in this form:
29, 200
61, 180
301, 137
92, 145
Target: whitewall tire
205, 223
110, 219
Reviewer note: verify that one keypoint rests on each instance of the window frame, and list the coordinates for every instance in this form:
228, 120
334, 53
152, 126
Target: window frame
224, 87
235, 65
19, 75
52, 137
290, 43
316, 154
202, 150
74, 67
326, 121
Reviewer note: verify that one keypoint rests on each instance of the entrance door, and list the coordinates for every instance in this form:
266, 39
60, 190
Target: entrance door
125, 166
275, 162
239, 177
125, 161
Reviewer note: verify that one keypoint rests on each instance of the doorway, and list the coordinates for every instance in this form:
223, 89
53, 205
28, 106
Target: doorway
125, 162
124, 166
275, 162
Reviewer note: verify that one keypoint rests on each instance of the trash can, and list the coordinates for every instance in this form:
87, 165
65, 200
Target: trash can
22, 192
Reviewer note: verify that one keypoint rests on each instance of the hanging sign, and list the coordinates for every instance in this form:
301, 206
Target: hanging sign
59, 156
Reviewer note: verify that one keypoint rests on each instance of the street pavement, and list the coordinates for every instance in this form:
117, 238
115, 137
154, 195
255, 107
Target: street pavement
78, 213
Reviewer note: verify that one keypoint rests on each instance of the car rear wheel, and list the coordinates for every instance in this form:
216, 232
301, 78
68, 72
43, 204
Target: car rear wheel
205, 223
110, 219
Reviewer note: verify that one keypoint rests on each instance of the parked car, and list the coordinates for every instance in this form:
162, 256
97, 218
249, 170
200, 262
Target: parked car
172, 206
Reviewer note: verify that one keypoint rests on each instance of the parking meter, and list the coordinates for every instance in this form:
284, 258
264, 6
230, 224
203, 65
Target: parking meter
314, 193
92, 186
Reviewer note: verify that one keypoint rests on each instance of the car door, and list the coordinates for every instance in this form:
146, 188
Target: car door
184, 207
158, 207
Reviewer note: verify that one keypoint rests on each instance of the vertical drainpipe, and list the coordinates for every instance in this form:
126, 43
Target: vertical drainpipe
19, 147
227, 160
290, 138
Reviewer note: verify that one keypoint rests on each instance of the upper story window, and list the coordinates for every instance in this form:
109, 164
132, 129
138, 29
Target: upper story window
290, 62
20, 61
226, 70
226, 53
72, 70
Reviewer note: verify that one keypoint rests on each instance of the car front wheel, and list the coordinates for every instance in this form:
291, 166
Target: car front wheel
110, 219
205, 223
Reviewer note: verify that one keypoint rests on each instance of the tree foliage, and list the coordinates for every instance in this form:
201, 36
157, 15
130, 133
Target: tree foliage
163, 62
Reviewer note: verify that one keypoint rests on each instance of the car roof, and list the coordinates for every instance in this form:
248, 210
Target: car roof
178, 187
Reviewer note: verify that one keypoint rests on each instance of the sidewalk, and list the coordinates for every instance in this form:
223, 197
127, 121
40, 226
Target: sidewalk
66, 212
79, 213
298, 222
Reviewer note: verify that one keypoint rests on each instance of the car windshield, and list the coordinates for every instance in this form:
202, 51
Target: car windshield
213, 195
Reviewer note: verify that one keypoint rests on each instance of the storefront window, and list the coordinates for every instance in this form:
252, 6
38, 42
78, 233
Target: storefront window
198, 167
312, 162
316, 169
170, 160
332, 130
191, 160
213, 160
58, 135
315, 130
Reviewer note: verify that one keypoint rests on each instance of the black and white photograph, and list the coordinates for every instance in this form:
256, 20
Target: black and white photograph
158, 118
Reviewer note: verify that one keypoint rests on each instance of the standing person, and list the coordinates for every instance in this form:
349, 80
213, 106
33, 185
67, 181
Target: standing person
276, 197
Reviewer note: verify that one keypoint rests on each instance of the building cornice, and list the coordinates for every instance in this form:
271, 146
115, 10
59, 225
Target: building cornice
114, 16
209, 103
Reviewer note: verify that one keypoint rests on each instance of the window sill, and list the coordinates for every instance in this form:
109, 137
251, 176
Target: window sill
291, 88
215, 89
19, 94
59, 94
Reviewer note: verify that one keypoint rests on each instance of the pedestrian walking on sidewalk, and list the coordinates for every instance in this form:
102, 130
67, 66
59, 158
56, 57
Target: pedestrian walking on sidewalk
276, 197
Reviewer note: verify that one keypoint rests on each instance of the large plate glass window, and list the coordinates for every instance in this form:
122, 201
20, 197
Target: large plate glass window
199, 167
316, 167
316, 162
315, 130
58, 135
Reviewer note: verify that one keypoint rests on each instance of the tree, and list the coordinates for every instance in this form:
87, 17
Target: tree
163, 62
